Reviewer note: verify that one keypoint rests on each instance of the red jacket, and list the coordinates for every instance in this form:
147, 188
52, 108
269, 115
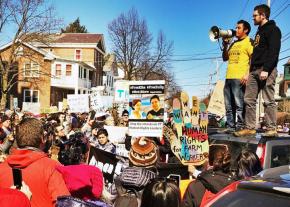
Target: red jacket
38, 172
13, 198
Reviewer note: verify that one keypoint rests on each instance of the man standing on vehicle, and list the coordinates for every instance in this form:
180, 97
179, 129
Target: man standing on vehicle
263, 72
239, 55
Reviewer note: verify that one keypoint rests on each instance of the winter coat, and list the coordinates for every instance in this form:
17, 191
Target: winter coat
13, 198
210, 180
267, 46
38, 172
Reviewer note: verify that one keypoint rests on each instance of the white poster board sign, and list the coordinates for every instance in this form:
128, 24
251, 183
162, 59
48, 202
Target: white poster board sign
121, 92
78, 102
116, 134
31, 107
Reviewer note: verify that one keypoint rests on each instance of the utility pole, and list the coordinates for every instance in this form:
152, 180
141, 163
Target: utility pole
268, 3
217, 70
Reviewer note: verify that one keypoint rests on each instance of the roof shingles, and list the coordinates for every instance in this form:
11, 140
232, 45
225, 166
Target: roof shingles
78, 38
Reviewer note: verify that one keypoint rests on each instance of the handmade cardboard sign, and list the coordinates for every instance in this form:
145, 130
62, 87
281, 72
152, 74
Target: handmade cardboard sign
190, 145
185, 109
177, 116
195, 111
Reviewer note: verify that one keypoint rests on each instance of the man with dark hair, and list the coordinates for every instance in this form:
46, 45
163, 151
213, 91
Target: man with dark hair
38, 171
124, 120
238, 55
263, 72
157, 112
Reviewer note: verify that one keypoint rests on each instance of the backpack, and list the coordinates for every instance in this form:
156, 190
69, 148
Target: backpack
136, 177
126, 197
69, 201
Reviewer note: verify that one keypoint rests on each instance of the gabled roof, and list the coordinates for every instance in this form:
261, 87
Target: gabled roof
78, 38
47, 55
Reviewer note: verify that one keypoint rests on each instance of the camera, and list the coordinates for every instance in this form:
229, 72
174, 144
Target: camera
72, 150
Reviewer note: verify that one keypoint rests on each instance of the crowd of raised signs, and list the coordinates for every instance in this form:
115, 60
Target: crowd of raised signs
75, 159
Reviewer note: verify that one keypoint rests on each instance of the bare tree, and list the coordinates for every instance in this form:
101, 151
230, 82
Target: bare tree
132, 45
32, 21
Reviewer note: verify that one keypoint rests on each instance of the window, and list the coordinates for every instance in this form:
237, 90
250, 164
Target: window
58, 70
68, 70
78, 55
85, 73
99, 59
90, 75
31, 96
31, 70
80, 72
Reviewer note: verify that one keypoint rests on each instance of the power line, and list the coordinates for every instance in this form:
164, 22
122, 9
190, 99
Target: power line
243, 10
194, 59
285, 50
285, 39
284, 3
284, 57
282, 11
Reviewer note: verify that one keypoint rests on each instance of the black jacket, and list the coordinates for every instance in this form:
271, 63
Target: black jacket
213, 181
267, 46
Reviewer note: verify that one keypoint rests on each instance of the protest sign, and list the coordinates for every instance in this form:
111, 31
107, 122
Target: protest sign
78, 102
216, 103
116, 134
146, 113
31, 107
100, 103
121, 92
190, 145
107, 162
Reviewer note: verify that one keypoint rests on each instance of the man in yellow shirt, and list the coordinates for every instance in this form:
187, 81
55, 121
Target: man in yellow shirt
238, 55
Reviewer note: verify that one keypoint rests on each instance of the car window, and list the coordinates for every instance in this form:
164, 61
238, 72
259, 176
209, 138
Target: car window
249, 198
280, 155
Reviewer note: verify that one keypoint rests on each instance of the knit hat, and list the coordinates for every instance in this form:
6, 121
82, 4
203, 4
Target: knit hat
83, 181
143, 153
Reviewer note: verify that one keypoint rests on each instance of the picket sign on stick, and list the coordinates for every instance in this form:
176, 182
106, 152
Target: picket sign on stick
190, 145
177, 117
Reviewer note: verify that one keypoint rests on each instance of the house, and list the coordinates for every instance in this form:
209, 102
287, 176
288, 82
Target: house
109, 73
71, 63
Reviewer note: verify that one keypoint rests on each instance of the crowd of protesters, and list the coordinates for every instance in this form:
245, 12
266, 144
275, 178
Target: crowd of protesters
51, 151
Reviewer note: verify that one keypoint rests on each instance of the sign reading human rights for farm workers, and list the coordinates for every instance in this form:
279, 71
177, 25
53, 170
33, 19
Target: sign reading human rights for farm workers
190, 142
146, 111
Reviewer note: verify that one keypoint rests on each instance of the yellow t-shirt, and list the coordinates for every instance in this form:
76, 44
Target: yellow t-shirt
239, 58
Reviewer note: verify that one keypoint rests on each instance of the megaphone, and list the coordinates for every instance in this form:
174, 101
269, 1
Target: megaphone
215, 33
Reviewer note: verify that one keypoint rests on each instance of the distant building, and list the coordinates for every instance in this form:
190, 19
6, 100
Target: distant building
72, 63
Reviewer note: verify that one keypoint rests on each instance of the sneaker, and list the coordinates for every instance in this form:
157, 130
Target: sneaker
226, 131
271, 133
245, 132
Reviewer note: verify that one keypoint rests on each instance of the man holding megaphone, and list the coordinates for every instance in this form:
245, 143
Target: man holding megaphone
238, 55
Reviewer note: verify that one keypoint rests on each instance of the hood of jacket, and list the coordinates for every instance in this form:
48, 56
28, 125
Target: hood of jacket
269, 24
215, 180
21, 158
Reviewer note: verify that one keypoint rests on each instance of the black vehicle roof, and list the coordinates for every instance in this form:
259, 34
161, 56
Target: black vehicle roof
273, 180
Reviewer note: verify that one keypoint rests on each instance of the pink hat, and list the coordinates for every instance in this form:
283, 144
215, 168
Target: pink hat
83, 181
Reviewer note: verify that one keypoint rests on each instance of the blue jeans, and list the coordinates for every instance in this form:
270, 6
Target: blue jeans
234, 102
